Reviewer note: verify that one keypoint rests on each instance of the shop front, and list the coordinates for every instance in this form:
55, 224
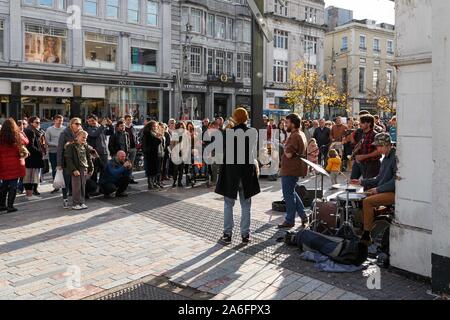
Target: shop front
46, 99
5, 92
276, 106
116, 101
194, 102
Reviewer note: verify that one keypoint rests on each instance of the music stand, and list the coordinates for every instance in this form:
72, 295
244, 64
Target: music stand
319, 170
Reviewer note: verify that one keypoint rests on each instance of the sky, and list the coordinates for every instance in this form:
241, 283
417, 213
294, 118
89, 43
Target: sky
379, 10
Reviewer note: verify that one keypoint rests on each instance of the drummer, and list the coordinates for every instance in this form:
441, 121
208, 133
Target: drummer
382, 187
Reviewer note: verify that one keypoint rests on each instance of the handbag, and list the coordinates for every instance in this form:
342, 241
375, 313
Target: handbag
58, 182
46, 168
23, 152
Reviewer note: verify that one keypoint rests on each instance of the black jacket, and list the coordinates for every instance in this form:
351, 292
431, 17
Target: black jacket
119, 141
322, 136
232, 174
150, 146
36, 158
97, 138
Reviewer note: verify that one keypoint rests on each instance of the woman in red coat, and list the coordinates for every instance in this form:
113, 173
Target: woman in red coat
12, 163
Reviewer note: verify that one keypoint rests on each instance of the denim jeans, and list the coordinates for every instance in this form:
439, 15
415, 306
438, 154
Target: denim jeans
53, 163
245, 216
293, 202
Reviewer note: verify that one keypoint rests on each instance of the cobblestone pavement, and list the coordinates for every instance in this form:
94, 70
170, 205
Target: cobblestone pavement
47, 252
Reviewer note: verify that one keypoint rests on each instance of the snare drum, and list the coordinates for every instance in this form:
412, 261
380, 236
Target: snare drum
355, 203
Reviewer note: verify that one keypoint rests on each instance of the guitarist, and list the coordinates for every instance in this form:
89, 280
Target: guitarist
292, 167
367, 156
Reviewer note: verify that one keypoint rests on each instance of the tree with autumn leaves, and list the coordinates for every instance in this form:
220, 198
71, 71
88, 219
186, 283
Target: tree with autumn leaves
308, 91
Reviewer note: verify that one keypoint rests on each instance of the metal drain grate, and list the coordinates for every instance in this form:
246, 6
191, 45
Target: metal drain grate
142, 291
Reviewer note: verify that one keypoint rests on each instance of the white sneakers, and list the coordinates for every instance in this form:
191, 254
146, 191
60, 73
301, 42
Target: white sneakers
79, 207
66, 204
31, 198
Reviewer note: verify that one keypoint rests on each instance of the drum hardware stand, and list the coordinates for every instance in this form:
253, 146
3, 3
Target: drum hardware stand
347, 200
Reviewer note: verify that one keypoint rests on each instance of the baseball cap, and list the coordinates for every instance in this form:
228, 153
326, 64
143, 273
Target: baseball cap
382, 139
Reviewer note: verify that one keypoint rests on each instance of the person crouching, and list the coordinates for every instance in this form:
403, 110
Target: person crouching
80, 166
116, 176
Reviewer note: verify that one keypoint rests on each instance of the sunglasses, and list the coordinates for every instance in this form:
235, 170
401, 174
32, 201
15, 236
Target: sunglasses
37, 122
77, 124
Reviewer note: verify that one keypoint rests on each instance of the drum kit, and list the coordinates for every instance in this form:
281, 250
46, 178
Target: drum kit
329, 216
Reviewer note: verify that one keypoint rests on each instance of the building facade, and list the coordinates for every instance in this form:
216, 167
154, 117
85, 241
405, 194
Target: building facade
215, 58
77, 57
419, 239
335, 17
359, 55
299, 31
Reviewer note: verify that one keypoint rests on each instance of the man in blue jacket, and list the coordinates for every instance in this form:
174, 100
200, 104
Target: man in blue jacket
116, 176
382, 187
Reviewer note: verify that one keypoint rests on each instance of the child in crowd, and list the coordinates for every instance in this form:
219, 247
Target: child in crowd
313, 152
80, 166
333, 165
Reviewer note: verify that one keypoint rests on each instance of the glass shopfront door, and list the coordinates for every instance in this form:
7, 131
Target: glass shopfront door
48, 111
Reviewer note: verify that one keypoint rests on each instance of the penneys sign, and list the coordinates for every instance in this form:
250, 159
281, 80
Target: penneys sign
47, 89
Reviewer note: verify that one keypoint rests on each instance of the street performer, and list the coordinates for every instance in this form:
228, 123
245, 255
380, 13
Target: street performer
381, 188
292, 167
368, 157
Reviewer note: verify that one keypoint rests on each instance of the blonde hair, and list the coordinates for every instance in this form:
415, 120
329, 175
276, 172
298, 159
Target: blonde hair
81, 132
332, 153
73, 120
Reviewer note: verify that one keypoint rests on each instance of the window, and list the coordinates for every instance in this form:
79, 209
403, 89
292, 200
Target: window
230, 29
247, 66
362, 42
2, 27
376, 45
143, 60
344, 44
280, 70
210, 25
310, 45
362, 60
220, 58
375, 80
45, 44
247, 32
310, 15
311, 67
152, 12
229, 63
112, 9
210, 61
220, 27
376, 62
390, 47
280, 9
389, 82
196, 20
90, 7
100, 51
344, 80
196, 60
56, 4
133, 11
280, 39
239, 66
362, 78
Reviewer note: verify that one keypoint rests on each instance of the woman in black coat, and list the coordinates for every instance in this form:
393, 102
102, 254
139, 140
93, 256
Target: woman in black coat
35, 162
242, 179
150, 145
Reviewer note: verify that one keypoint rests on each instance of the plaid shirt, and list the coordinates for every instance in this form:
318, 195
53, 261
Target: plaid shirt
367, 147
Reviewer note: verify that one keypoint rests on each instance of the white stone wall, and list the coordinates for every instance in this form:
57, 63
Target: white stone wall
411, 236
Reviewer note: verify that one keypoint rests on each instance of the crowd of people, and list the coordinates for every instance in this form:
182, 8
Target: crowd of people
98, 157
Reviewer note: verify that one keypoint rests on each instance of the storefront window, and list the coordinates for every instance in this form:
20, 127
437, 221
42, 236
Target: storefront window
143, 60
45, 44
46, 107
4, 102
139, 102
100, 51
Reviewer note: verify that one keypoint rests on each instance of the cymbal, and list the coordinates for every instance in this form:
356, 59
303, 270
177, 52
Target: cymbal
316, 167
345, 186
